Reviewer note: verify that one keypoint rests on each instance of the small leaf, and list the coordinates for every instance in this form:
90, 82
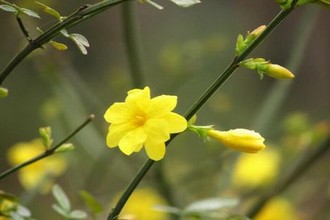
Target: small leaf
46, 136
58, 46
65, 148
60, 210
8, 8
30, 12
23, 211
3, 92
91, 202
77, 214
154, 4
81, 42
81, 39
168, 209
210, 205
185, 3
61, 198
65, 33
50, 11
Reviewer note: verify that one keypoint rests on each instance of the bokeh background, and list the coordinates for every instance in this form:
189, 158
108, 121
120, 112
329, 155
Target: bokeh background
183, 51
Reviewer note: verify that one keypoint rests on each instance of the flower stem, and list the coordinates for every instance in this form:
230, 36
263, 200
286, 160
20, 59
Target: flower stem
48, 152
82, 14
198, 104
307, 161
133, 47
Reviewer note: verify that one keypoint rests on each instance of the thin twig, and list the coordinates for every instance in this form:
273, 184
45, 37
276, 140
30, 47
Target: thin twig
23, 29
48, 152
82, 14
132, 44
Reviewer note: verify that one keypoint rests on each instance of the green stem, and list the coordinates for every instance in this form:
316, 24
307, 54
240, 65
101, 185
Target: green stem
199, 103
308, 160
82, 14
234, 65
23, 29
132, 44
48, 152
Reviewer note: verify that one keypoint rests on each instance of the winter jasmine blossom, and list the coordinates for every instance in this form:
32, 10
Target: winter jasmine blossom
142, 121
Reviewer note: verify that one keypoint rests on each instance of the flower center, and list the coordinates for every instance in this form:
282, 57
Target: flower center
140, 119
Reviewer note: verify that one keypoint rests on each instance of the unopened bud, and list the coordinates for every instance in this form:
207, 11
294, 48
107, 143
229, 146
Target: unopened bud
278, 72
244, 140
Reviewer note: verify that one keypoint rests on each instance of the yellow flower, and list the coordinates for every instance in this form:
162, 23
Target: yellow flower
39, 172
140, 206
253, 171
278, 72
141, 121
239, 139
277, 208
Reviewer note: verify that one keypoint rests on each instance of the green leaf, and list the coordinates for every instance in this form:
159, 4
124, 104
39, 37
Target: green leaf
60, 210
30, 12
154, 4
23, 211
81, 42
3, 92
240, 45
8, 8
65, 148
61, 198
91, 202
50, 11
46, 136
168, 209
65, 33
210, 204
77, 214
58, 46
185, 3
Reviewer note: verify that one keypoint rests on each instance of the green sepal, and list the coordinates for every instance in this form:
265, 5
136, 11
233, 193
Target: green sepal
46, 136
240, 45
200, 130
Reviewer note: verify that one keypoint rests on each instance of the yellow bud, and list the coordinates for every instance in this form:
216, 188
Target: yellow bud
278, 72
256, 32
239, 139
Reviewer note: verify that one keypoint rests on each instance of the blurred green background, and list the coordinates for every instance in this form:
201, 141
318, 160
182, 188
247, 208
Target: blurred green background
183, 51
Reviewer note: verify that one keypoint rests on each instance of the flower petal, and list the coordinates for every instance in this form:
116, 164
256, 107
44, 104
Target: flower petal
138, 98
132, 141
157, 129
176, 123
161, 105
117, 132
118, 113
155, 149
